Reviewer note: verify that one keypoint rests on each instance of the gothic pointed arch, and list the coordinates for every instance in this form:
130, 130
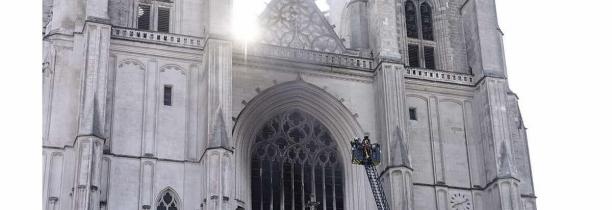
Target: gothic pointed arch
427, 21
301, 95
168, 199
412, 29
313, 101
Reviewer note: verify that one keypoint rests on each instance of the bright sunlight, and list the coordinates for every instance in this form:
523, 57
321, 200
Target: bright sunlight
244, 25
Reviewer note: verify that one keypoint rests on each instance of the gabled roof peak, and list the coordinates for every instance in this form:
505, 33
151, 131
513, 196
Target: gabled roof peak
298, 24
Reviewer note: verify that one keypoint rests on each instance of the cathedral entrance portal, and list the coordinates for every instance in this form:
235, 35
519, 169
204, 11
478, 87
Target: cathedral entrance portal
295, 164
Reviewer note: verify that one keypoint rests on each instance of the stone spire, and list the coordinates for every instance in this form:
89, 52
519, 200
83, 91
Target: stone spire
399, 153
505, 162
219, 137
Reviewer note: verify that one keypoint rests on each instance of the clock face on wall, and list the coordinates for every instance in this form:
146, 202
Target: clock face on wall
459, 201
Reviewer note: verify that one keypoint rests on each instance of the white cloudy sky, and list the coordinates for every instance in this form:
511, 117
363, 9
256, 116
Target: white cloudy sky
558, 58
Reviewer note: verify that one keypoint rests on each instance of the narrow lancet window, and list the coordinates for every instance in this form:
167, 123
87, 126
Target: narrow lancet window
411, 20
163, 20
413, 55
428, 54
426, 22
412, 113
144, 17
167, 95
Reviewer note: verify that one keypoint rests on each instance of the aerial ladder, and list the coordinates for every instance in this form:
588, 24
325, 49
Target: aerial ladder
367, 154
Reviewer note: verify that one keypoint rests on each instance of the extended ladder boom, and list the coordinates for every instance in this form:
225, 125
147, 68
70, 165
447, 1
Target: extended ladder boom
377, 190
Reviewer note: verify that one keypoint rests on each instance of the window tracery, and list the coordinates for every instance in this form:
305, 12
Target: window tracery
298, 24
168, 200
294, 157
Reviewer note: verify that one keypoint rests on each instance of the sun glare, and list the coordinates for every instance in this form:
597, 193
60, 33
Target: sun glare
245, 13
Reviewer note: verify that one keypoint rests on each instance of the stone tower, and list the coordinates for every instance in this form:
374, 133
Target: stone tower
152, 104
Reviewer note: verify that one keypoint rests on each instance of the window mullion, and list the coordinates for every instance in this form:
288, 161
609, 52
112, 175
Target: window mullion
292, 187
420, 54
334, 187
154, 6
323, 191
271, 169
303, 194
313, 182
282, 184
261, 198
419, 20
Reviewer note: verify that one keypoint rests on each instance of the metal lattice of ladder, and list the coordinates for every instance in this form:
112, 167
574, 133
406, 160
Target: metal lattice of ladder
377, 190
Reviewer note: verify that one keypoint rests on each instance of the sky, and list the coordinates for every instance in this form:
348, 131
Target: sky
558, 58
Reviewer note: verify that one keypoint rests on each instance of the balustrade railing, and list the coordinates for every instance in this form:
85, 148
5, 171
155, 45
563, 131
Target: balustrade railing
440, 76
309, 56
157, 37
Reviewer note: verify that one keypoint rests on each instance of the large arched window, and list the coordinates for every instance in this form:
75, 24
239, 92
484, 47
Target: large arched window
167, 200
295, 161
420, 33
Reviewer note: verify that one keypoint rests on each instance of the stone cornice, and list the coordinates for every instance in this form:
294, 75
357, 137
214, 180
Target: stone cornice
388, 168
440, 76
158, 37
149, 49
307, 56
475, 187
304, 68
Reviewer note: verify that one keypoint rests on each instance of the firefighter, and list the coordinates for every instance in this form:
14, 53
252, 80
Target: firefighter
367, 149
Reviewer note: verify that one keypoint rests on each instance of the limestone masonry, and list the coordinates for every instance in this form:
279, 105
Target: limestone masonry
152, 104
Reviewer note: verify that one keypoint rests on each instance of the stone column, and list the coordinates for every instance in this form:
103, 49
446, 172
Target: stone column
218, 153
396, 174
93, 45
86, 194
218, 179
492, 111
484, 38
358, 24
486, 57
62, 18
383, 29
218, 56
396, 168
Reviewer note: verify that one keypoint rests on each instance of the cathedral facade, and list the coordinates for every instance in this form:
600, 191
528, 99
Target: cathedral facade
152, 104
